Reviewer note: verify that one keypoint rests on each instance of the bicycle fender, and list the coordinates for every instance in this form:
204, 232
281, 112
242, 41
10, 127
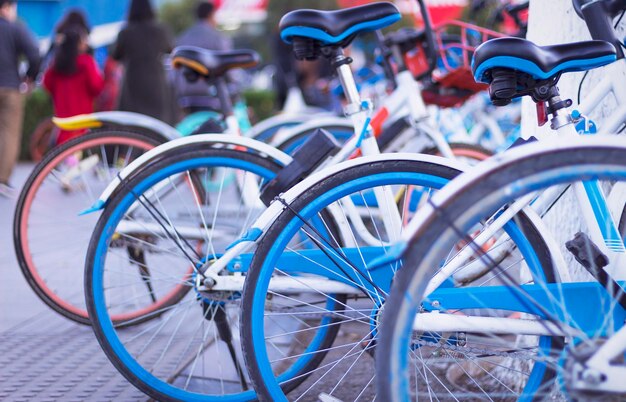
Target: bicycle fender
125, 119
276, 121
266, 219
207, 140
289, 133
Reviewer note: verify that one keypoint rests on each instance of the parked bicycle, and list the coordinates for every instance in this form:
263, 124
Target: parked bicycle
186, 234
540, 325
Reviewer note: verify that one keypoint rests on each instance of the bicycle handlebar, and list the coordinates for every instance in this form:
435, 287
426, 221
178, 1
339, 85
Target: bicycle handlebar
613, 7
598, 15
431, 45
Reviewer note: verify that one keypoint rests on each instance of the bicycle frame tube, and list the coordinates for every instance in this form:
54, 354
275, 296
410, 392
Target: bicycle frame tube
608, 85
583, 298
206, 140
247, 243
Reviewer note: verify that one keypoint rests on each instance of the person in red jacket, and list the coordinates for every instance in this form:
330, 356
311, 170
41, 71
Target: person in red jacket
73, 80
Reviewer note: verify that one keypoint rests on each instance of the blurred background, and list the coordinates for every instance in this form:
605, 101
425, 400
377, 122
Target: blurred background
248, 23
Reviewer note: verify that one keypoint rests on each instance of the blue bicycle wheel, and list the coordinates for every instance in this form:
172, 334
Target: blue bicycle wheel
519, 334
142, 265
289, 288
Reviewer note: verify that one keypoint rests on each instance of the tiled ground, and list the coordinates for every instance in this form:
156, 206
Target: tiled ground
43, 356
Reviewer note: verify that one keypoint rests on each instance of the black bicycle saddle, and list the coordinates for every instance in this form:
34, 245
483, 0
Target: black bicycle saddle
213, 63
337, 27
540, 62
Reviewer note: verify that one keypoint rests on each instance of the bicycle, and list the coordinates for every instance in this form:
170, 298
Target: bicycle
397, 123
516, 335
46, 225
526, 238
187, 228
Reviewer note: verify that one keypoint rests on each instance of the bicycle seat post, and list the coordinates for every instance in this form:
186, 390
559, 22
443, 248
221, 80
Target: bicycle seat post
357, 109
226, 103
341, 64
316, 33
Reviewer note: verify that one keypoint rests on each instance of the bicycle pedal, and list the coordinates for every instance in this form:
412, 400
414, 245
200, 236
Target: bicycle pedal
586, 252
369, 346
324, 397
593, 260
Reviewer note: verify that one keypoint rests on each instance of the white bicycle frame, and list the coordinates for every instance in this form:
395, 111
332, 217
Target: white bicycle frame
405, 100
248, 242
359, 113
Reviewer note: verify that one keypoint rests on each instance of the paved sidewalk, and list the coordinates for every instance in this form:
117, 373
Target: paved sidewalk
44, 356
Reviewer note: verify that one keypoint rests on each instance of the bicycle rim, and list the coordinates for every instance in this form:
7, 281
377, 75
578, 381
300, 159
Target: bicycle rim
50, 237
344, 369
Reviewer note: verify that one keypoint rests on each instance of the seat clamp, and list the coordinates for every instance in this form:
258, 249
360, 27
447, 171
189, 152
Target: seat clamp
354, 108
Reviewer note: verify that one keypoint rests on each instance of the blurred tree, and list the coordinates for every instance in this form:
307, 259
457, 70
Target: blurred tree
178, 15
39, 107
277, 8
482, 13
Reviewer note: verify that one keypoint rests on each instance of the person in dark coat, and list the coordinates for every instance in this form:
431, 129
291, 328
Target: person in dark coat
204, 33
16, 41
140, 47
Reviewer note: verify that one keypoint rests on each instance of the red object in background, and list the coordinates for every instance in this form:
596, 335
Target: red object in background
509, 26
542, 113
74, 94
242, 6
440, 10
112, 77
452, 81
444, 12
351, 3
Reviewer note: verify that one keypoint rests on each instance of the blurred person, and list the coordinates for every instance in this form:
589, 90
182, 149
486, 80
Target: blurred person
74, 17
73, 79
285, 76
15, 42
289, 72
314, 79
112, 78
204, 34
140, 47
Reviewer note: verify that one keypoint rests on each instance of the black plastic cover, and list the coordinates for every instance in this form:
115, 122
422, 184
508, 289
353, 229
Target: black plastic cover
308, 156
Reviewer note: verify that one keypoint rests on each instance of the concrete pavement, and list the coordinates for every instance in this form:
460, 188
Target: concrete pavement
44, 356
